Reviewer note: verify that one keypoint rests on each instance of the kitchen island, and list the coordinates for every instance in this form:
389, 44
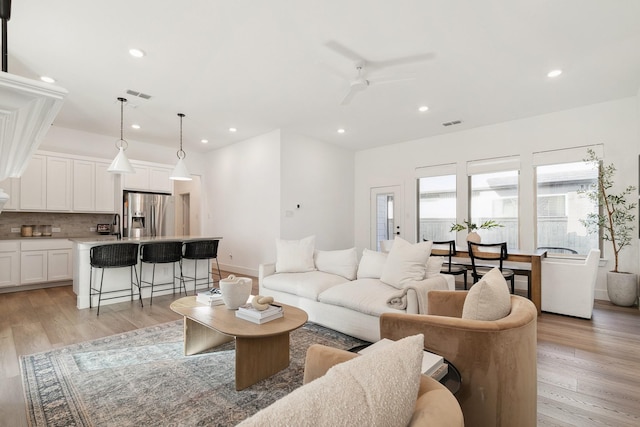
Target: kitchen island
118, 278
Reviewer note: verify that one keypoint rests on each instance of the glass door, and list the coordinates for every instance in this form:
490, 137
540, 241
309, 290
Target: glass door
386, 206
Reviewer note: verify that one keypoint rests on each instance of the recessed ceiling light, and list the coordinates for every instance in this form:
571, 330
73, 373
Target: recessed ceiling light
341, 130
47, 79
135, 126
204, 141
554, 73
136, 53
233, 130
423, 108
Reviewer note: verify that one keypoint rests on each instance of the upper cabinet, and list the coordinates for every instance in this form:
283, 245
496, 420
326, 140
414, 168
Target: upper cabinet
11, 186
93, 187
148, 178
46, 184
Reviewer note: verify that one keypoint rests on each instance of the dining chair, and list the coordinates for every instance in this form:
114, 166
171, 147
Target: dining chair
449, 267
489, 252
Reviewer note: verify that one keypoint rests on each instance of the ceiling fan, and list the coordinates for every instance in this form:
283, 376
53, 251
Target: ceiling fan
361, 80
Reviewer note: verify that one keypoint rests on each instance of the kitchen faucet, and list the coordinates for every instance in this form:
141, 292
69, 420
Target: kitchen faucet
116, 223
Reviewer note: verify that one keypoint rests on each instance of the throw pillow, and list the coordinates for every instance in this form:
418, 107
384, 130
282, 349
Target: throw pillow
378, 389
343, 262
406, 263
371, 264
295, 256
489, 299
434, 265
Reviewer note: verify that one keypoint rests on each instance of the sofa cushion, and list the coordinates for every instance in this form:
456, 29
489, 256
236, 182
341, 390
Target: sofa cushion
405, 263
367, 296
371, 264
308, 285
434, 265
489, 299
378, 389
295, 256
342, 262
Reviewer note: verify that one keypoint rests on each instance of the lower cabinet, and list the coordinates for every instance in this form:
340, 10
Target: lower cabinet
46, 261
9, 263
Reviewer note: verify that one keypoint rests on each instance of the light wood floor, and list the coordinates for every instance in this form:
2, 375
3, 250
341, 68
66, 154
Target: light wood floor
588, 371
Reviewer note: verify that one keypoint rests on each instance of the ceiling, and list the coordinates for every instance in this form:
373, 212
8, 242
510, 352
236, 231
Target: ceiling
260, 65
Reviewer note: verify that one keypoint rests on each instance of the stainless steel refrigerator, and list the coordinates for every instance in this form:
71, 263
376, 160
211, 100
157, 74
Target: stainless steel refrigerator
148, 214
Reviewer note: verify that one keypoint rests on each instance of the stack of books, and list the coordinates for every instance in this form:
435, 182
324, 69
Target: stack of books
248, 312
211, 297
432, 364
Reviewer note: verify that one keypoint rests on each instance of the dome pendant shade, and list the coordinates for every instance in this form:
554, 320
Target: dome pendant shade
121, 164
180, 172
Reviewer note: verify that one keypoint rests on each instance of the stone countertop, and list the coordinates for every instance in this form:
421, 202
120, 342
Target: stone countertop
112, 239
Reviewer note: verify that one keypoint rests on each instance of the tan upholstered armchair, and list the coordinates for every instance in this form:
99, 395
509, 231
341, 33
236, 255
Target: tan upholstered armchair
496, 359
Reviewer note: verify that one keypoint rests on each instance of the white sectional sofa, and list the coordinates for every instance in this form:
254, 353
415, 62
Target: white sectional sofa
349, 296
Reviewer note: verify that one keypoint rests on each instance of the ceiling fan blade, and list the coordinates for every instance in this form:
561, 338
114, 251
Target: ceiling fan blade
349, 96
344, 51
405, 60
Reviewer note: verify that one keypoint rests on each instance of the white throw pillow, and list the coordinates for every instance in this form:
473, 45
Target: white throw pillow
489, 299
343, 262
434, 265
371, 264
295, 256
377, 389
406, 263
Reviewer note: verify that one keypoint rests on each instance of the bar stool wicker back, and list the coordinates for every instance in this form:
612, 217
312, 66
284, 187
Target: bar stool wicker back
201, 250
117, 255
162, 253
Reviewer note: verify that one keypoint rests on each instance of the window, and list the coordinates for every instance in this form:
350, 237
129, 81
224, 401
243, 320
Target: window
494, 196
436, 207
560, 207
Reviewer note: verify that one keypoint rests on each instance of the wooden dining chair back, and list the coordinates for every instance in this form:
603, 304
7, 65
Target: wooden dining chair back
449, 267
489, 252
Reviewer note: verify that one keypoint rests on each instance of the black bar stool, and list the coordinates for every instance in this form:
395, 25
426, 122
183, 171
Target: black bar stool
201, 250
117, 255
162, 253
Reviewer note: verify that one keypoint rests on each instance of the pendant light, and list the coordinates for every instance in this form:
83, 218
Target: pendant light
180, 172
121, 164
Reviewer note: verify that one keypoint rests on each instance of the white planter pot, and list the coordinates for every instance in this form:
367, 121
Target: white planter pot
622, 288
473, 237
235, 291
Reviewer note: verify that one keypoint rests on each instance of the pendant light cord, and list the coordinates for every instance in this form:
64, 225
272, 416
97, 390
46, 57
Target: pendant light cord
121, 143
181, 154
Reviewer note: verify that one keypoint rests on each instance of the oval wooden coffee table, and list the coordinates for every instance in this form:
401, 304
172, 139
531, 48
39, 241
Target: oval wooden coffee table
261, 349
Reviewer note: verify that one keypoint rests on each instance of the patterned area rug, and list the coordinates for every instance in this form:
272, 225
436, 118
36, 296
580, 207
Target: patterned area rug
142, 378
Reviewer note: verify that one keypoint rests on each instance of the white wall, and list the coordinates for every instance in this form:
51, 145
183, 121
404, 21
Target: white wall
613, 124
241, 201
319, 178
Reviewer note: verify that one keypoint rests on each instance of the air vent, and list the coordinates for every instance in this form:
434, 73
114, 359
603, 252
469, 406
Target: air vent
454, 122
138, 94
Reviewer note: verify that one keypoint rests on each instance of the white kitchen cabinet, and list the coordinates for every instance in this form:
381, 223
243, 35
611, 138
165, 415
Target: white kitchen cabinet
84, 185
59, 180
33, 267
45, 260
11, 186
149, 178
9, 263
59, 265
93, 187
33, 185
105, 188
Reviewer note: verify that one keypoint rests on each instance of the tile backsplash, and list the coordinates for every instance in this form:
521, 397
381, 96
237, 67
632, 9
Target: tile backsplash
70, 224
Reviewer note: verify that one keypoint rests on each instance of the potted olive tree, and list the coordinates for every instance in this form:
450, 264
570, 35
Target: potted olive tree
471, 228
616, 220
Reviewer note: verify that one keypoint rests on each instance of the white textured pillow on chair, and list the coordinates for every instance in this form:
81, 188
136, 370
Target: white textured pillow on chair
377, 389
489, 299
371, 264
342, 262
295, 256
406, 263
